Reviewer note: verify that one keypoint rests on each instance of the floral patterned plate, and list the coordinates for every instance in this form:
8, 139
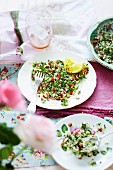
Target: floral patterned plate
100, 42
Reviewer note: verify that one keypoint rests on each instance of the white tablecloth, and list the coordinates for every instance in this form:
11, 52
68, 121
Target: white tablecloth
71, 23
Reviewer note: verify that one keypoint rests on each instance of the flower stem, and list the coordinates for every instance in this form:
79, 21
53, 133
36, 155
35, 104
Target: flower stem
18, 153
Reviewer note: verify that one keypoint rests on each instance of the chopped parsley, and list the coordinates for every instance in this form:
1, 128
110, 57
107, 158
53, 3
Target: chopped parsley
58, 84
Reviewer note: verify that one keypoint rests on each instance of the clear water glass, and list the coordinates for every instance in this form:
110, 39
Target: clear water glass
39, 28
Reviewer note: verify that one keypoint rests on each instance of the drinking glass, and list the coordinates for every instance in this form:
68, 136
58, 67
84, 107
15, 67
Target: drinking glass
39, 28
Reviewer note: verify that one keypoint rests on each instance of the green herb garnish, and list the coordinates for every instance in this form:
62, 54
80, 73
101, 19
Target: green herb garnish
64, 128
109, 149
59, 133
103, 152
64, 148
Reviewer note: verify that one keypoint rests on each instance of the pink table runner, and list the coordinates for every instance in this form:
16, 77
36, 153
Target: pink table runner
100, 103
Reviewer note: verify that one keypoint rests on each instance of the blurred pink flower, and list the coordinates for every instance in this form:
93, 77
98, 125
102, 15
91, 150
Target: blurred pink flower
37, 132
10, 96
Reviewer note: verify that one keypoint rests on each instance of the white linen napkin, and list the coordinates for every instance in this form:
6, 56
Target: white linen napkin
71, 23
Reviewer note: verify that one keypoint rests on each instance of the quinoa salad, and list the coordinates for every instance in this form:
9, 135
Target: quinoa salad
103, 42
77, 140
58, 83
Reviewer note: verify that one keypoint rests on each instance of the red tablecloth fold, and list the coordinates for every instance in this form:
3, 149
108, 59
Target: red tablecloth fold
100, 103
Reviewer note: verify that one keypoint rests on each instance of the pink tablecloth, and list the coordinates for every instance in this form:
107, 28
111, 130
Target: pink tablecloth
100, 103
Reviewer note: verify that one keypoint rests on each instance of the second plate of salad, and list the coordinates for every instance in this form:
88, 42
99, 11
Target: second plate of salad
100, 42
75, 150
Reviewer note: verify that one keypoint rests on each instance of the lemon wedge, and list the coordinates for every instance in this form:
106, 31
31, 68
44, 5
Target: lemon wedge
73, 67
68, 62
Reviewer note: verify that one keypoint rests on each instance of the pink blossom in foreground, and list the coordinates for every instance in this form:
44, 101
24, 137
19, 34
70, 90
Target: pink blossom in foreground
37, 132
10, 96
